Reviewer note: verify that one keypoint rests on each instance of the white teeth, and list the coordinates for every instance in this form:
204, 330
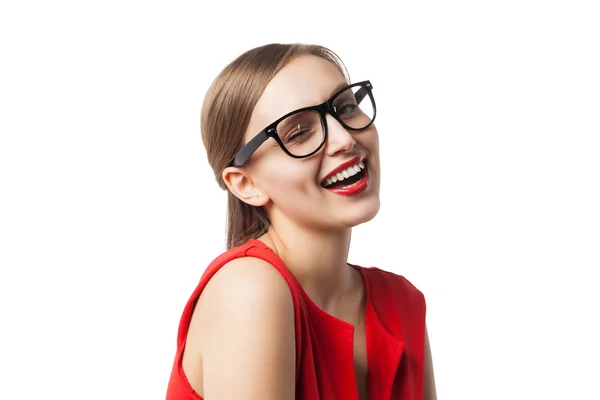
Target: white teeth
340, 176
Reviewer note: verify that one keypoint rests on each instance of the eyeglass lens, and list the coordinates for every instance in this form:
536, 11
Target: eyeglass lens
302, 133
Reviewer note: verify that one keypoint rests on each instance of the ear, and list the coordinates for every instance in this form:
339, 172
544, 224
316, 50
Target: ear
242, 186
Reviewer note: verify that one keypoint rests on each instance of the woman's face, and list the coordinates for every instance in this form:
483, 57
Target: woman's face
291, 189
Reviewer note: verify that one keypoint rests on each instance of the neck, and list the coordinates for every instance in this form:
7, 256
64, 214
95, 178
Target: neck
318, 260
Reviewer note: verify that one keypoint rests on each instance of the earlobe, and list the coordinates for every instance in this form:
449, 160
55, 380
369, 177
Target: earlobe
243, 187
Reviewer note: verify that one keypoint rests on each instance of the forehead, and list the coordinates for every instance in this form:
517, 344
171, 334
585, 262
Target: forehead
307, 80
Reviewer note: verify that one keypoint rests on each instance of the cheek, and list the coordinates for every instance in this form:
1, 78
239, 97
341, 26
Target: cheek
370, 142
374, 139
287, 179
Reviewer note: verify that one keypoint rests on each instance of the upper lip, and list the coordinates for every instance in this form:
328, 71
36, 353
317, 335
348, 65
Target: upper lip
343, 166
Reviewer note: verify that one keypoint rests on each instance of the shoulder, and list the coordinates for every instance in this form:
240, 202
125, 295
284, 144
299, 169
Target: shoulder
247, 278
243, 318
245, 293
243, 278
394, 284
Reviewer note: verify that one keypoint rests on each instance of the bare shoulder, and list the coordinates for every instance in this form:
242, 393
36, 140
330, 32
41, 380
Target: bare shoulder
241, 340
245, 282
249, 274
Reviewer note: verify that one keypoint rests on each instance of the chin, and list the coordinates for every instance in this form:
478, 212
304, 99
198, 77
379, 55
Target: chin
370, 213
365, 214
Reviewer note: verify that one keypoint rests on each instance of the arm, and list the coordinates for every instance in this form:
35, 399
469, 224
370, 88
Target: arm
244, 331
430, 391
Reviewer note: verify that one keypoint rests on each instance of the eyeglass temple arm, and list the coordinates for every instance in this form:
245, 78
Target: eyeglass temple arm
244, 154
360, 94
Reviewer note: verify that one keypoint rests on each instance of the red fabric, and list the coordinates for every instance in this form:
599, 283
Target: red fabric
395, 332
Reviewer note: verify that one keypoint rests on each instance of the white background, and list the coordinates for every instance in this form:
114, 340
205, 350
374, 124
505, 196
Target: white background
489, 121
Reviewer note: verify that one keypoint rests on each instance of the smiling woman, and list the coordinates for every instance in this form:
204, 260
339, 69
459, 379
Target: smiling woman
282, 314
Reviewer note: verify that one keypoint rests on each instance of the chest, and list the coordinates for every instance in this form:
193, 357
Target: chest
360, 363
337, 342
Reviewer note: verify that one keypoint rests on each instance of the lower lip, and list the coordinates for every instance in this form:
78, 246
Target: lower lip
355, 189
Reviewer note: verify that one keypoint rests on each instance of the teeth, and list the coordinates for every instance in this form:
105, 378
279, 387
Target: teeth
340, 176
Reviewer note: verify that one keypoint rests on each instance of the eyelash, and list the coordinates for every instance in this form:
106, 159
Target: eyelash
296, 135
353, 108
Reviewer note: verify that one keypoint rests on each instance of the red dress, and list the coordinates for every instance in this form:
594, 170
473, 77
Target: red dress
395, 334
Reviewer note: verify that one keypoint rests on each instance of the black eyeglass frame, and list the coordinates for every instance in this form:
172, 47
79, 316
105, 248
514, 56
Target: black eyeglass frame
242, 156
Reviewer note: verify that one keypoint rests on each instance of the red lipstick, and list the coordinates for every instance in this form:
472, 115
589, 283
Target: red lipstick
355, 188
342, 167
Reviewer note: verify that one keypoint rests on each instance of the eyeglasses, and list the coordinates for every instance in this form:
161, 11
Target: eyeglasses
301, 133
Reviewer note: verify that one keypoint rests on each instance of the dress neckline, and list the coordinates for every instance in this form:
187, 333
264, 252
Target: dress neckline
337, 321
383, 349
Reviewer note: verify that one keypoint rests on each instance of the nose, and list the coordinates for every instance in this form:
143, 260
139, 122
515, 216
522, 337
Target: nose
338, 138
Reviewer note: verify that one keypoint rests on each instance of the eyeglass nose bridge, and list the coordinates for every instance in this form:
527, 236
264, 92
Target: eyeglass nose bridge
328, 108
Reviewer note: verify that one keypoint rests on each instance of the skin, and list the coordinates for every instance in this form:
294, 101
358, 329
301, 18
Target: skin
311, 230
430, 390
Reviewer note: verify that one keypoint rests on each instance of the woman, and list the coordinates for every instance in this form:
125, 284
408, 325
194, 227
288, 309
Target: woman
282, 314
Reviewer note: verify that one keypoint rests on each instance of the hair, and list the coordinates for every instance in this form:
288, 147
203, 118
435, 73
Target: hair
225, 115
